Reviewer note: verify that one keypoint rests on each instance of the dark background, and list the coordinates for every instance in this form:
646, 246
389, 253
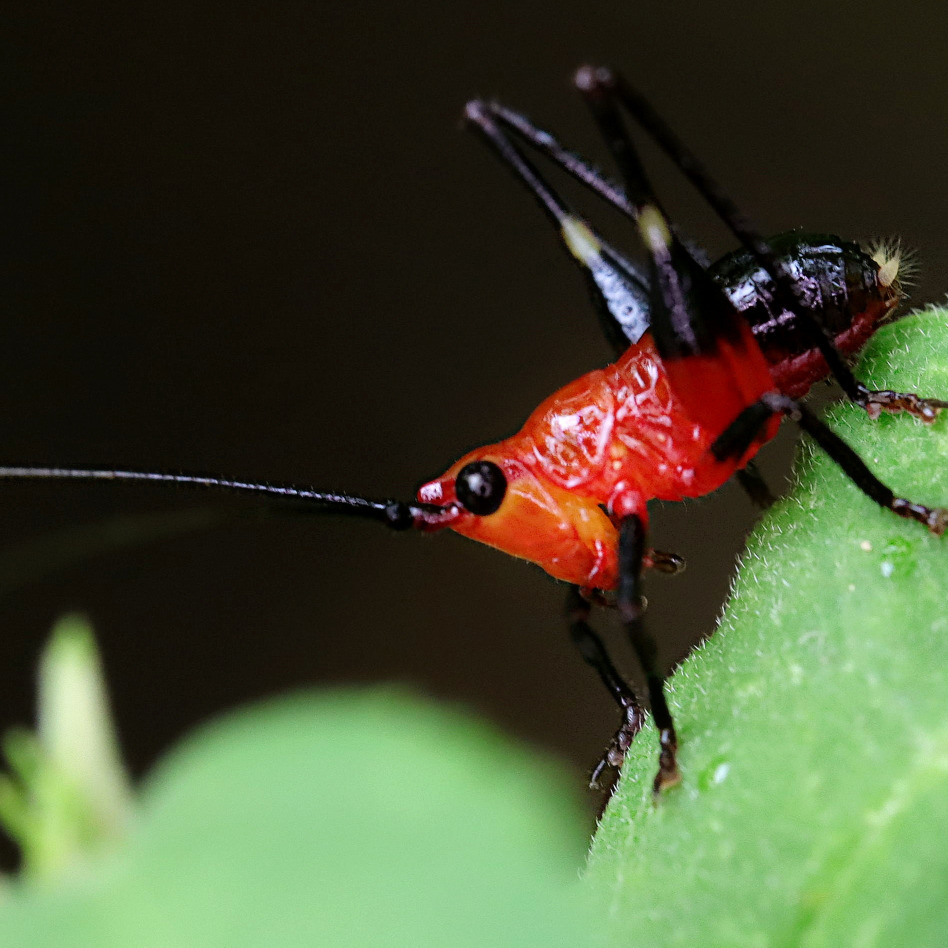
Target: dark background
253, 240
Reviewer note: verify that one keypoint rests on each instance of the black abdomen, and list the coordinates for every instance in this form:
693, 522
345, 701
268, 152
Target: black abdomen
841, 290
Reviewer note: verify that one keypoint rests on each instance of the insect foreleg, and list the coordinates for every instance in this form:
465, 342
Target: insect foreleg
631, 558
594, 653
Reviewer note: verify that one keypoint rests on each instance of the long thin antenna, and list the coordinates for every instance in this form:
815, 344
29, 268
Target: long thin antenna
393, 513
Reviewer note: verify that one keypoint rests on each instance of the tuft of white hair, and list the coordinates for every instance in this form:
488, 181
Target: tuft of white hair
898, 266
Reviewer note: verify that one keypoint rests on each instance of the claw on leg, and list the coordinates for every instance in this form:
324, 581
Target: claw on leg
935, 518
664, 562
668, 773
594, 653
925, 409
614, 755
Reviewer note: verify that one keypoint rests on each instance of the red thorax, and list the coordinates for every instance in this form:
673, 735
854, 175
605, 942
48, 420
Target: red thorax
598, 450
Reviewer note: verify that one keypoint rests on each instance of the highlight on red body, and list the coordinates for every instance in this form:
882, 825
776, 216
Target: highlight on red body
592, 453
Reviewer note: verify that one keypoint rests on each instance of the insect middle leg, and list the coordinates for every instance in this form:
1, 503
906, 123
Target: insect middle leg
754, 485
743, 430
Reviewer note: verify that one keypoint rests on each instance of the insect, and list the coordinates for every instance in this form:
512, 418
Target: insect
709, 359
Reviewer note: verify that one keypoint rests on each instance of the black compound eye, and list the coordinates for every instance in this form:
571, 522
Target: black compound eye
480, 486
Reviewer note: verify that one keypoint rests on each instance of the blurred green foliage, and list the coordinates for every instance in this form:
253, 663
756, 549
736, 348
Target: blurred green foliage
67, 796
344, 818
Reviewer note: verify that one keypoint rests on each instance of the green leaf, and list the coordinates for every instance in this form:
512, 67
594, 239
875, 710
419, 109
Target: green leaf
344, 819
814, 723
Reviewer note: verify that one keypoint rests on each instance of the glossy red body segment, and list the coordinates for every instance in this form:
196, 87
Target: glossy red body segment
614, 438
714, 388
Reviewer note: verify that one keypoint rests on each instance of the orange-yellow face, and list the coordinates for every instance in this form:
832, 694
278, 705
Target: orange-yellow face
504, 504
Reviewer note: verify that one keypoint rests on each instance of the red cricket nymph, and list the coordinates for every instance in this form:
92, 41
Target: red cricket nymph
709, 359
600, 448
